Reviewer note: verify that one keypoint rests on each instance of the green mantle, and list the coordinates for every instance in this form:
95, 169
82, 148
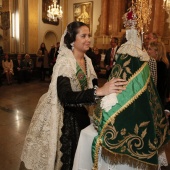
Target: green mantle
135, 129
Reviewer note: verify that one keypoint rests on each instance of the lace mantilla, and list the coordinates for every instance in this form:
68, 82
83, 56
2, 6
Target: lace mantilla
108, 101
41, 149
133, 46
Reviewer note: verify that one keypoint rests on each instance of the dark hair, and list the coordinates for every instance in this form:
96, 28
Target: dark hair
72, 30
116, 40
5, 58
155, 36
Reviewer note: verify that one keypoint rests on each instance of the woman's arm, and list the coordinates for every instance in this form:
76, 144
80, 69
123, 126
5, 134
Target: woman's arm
68, 97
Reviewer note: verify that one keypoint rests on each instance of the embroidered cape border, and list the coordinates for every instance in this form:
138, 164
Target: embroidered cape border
143, 73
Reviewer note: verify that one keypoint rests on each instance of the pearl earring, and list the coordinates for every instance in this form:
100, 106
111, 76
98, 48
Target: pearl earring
72, 46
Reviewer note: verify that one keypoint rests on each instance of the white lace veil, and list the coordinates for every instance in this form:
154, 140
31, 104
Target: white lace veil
133, 46
41, 150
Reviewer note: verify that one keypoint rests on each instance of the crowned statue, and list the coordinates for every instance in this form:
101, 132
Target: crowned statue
131, 126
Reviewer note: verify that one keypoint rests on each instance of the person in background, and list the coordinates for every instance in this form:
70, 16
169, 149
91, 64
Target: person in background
157, 51
91, 55
53, 55
27, 67
1, 51
98, 59
42, 61
152, 62
7, 65
62, 112
109, 60
146, 40
18, 68
153, 37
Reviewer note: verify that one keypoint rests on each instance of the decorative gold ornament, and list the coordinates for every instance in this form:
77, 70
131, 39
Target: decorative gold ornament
166, 5
143, 12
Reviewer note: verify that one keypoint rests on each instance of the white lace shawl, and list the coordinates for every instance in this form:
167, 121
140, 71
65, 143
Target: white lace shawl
41, 149
133, 46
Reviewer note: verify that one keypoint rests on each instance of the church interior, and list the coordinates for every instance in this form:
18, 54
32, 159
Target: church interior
24, 25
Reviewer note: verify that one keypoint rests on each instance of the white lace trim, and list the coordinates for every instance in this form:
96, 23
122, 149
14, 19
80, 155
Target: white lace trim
133, 46
108, 101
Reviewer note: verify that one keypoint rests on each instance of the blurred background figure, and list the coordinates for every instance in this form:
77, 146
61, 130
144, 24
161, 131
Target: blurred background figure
7, 65
1, 51
146, 41
153, 37
97, 59
18, 68
53, 56
27, 67
149, 37
42, 61
91, 55
157, 51
109, 60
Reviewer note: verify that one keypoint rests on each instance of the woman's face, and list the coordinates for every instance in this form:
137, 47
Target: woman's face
152, 52
42, 45
6, 56
82, 41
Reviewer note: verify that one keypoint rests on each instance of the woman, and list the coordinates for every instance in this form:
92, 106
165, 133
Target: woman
42, 61
61, 112
157, 51
7, 65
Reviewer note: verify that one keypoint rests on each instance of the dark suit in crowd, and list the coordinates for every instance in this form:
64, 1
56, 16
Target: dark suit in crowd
109, 60
18, 68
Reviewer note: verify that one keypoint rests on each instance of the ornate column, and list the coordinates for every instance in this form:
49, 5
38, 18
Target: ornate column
110, 22
33, 25
158, 17
5, 21
104, 18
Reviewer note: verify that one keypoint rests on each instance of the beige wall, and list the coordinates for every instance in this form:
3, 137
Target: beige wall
33, 31
96, 14
47, 33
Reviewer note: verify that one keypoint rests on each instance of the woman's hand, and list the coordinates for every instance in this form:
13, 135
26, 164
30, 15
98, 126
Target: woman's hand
115, 85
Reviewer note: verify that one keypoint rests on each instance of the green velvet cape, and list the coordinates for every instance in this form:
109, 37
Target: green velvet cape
135, 129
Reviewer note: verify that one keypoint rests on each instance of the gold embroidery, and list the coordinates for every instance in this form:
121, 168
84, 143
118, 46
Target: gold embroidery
127, 141
112, 118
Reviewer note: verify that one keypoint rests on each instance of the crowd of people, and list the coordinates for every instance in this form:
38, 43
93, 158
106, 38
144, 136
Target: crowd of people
22, 68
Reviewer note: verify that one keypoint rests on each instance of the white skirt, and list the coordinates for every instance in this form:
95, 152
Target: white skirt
83, 159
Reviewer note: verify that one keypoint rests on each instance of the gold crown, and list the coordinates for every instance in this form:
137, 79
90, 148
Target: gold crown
138, 15
130, 18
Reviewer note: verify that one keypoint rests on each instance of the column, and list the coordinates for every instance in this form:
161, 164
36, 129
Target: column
104, 18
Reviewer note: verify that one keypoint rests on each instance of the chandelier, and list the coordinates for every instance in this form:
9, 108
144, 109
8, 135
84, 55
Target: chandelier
54, 11
166, 5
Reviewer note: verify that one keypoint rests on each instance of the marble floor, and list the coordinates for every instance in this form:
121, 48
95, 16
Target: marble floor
17, 104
